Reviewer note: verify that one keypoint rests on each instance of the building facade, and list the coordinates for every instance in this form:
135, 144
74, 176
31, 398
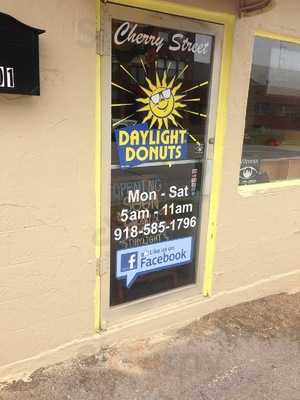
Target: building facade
157, 176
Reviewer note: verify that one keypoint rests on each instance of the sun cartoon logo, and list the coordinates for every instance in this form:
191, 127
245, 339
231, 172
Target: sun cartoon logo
164, 100
161, 102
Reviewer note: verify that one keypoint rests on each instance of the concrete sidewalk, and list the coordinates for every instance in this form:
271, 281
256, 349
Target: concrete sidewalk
250, 351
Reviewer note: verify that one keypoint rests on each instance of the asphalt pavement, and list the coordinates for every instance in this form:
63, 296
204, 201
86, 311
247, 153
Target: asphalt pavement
247, 352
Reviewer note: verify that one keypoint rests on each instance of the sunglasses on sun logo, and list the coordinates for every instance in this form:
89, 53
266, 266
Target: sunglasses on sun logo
164, 95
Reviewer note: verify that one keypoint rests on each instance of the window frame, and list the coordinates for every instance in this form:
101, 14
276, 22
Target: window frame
128, 312
246, 190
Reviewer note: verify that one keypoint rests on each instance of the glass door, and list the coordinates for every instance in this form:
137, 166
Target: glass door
160, 76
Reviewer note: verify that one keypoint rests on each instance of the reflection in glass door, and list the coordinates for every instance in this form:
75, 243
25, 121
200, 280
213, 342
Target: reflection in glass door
160, 92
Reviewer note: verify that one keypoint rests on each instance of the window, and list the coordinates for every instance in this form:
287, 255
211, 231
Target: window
161, 81
271, 149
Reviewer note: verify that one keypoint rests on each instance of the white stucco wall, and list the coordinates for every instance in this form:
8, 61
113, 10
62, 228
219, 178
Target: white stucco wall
47, 197
258, 233
47, 202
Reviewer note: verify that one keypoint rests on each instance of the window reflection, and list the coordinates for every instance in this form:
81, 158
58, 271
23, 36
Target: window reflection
271, 149
168, 91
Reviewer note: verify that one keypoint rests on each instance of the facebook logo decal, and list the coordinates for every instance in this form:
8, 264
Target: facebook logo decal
129, 261
139, 261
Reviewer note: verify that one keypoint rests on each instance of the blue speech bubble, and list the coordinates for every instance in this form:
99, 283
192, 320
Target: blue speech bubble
138, 261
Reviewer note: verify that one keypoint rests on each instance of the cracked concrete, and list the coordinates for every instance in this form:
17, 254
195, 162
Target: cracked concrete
250, 351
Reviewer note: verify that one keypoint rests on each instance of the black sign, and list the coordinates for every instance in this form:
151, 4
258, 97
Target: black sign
19, 57
249, 171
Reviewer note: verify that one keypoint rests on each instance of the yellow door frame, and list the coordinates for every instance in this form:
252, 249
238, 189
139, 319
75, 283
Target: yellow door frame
98, 174
193, 12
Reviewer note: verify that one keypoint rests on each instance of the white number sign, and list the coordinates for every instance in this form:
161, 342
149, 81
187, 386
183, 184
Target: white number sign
7, 77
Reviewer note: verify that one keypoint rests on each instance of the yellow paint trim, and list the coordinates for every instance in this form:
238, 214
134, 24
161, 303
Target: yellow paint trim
181, 10
98, 176
221, 124
266, 187
276, 36
228, 21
